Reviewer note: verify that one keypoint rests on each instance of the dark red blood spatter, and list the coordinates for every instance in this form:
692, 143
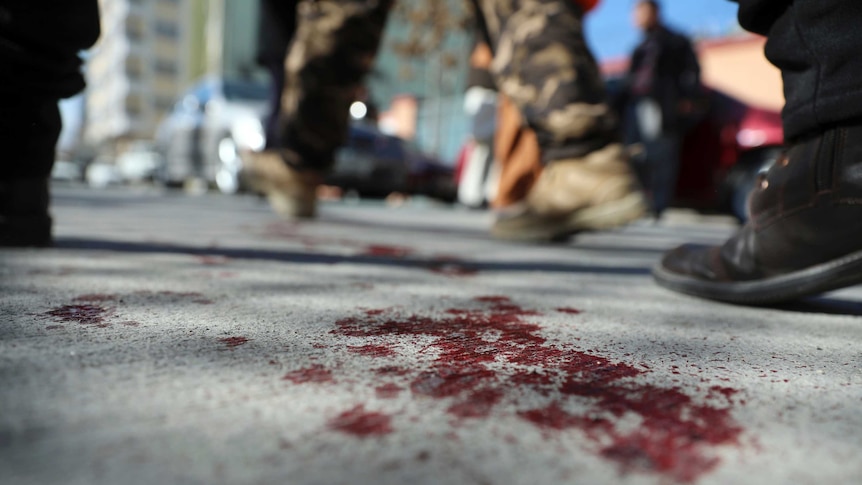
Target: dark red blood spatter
208, 260
727, 392
233, 342
477, 404
388, 391
85, 314
590, 393
316, 374
569, 310
372, 350
361, 423
381, 250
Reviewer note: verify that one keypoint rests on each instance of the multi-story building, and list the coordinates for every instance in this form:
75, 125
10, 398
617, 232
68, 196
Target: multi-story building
151, 51
137, 69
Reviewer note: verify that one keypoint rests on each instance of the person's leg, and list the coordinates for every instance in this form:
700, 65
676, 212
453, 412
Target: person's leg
804, 235
334, 48
39, 65
663, 162
542, 63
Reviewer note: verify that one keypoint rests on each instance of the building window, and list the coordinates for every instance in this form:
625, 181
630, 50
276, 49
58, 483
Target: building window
134, 105
164, 67
167, 29
134, 68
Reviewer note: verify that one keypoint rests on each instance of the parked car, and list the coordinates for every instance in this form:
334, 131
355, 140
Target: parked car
374, 164
723, 154
209, 125
140, 162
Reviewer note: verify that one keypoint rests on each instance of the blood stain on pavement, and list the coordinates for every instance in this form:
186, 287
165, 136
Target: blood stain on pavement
373, 350
380, 250
211, 260
84, 313
677, 433
361, 423
316, 374
233, 342
388, 391
569, 310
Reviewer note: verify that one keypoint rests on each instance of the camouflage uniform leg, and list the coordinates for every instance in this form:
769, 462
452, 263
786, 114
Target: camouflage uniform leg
334, 48
542, 62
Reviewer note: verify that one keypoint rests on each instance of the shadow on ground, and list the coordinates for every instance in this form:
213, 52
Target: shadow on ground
444, 265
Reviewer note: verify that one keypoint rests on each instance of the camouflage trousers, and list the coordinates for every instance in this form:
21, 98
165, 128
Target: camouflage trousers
541, 61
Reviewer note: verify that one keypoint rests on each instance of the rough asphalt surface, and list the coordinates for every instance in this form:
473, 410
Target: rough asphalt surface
200, 340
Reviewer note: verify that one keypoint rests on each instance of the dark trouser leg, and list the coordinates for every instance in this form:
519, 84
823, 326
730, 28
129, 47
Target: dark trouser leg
543, 64
815, 43
663, 165
39, 65
334, 48
276, 75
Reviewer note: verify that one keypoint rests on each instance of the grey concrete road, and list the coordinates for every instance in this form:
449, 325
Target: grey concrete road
200, 340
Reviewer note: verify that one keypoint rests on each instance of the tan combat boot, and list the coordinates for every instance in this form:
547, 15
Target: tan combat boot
594, 192
290, 192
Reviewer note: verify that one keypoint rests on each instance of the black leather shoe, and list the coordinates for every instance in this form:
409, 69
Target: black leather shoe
804, 236
24, 219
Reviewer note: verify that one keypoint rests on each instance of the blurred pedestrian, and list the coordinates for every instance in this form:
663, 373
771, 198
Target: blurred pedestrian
276, 27
39, 65
658, 100
476, 182
804, 235
541, 62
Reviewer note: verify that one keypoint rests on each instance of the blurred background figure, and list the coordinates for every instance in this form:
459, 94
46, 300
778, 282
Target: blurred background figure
476, 179
276, 26
39, 65
541, 61
659, 102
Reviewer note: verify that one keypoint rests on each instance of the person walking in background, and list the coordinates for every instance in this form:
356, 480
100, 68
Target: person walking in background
541, 62
477, 180
39, 65
657, 100
804, 235
276, 27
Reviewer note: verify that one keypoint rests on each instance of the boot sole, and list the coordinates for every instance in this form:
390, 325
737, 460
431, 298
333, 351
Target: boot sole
605, 216
838, 273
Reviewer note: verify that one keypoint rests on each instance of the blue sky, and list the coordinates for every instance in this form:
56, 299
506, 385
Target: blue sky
611, 34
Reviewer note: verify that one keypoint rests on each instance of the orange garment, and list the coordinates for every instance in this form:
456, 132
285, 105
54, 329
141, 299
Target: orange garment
516, 150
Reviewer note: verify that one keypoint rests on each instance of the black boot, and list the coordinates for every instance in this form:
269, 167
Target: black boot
24, 218
804, 236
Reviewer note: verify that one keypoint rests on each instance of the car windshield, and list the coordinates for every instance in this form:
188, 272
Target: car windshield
234, 90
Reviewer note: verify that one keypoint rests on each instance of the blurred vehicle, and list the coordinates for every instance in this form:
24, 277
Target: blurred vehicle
209, 125
724, 153
370, 163
66, 171
374, 164
140, 162
102, 172
430, 176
